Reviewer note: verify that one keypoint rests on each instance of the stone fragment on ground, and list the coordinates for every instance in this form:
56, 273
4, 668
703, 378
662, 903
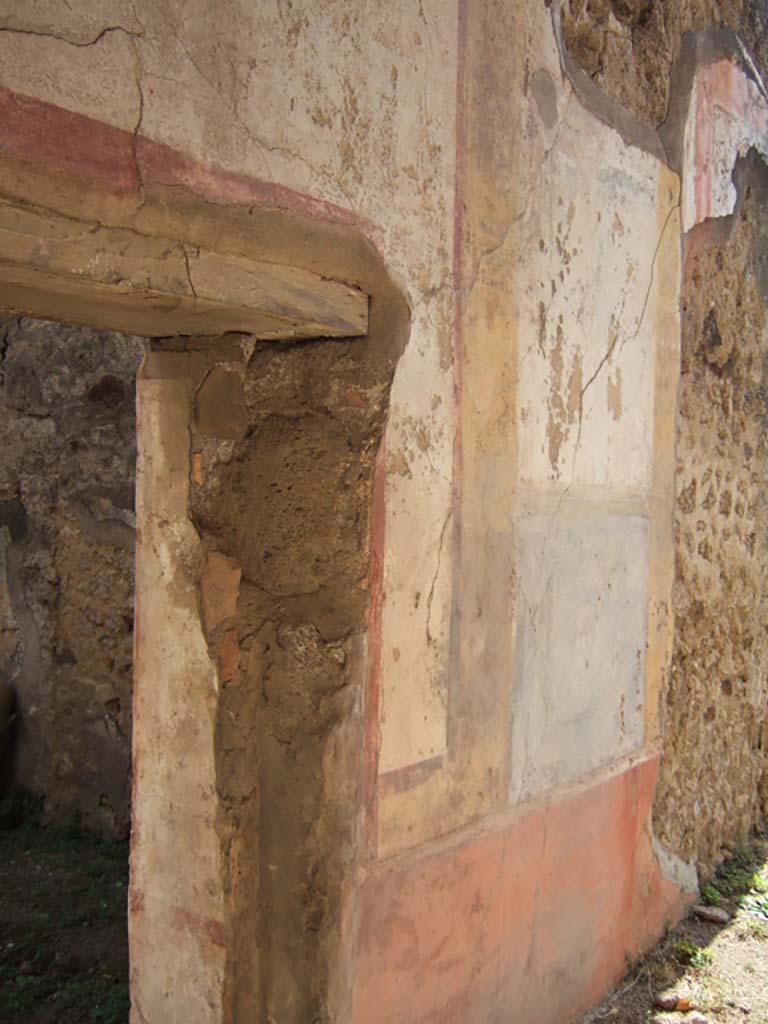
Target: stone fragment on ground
716, 915
744, 1007
671, 1002
667, 1001
681, 1016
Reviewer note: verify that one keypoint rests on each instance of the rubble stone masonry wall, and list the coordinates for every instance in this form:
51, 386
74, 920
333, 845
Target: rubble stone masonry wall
629, 47
67, 464
714, 776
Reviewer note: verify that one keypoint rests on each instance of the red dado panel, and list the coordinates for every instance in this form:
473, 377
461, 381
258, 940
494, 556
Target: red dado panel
501, 926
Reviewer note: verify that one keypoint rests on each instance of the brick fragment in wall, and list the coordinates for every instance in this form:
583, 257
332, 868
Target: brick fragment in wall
220, 405
219, 589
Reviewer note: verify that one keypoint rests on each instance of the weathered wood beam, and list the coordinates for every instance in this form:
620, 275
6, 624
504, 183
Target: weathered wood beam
120, 279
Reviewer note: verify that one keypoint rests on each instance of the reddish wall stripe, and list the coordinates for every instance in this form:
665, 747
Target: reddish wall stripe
373, 692
41, 133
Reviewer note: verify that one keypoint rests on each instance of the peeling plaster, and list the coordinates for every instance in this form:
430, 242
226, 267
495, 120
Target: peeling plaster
675, 869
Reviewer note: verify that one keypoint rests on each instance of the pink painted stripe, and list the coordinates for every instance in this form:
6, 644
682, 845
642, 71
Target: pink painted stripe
165, 166
375, 610
41, 133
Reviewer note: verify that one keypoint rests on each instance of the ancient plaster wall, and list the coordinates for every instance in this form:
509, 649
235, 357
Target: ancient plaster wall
67, 458
399, 821
569, 355
363, 135
369, 126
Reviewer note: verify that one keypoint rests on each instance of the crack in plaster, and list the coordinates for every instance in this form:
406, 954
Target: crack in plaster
487, 253
614, 340
611, 349
430, 638
139, 120
189, 273
261, 143
80, 44
653, 273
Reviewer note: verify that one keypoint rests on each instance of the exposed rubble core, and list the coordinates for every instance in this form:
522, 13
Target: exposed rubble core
67, 462
629, 47
713, 785
283, 443
282, 505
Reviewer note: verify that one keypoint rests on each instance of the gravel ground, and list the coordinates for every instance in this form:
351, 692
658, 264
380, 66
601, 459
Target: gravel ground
705, 971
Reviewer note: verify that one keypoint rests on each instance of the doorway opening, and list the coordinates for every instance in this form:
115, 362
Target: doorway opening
67, 541
261, 404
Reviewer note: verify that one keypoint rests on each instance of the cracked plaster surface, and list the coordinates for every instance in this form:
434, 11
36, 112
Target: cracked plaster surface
369, 122
368, 116
79, 24
592, 252
355, 108
588, 302
578, 699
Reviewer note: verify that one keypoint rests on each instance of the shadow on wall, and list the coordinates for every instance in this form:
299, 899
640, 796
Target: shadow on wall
67, 469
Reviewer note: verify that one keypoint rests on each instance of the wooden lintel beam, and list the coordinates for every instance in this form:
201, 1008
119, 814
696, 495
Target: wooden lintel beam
120, 279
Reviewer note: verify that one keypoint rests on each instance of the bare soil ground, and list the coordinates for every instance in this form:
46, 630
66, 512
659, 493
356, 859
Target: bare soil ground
708, 972
63, 940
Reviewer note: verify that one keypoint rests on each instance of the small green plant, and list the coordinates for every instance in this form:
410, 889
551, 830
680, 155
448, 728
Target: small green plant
710, 895
758, 929
702, 958
682, 949
756, 903
688, 953
740, 873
